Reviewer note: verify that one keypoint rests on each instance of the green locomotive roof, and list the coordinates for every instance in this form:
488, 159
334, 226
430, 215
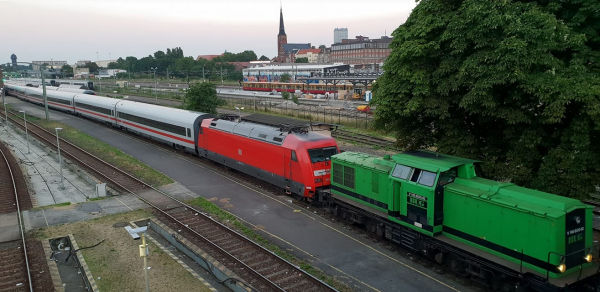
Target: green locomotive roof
430, 161
425, 160
513, 196
365, 160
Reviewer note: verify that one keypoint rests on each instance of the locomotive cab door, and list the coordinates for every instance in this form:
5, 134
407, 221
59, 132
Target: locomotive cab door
288, 157
416, 195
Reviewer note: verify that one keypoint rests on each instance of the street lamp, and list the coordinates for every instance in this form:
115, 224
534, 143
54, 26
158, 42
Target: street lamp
59, 158
135, 234
25, 121
240, 109
5, 116
154, 72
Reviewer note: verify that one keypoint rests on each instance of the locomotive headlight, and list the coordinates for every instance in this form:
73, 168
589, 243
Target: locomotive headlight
588, 257
561, 268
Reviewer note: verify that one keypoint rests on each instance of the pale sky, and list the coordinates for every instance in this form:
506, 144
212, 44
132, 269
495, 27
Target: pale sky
74, 30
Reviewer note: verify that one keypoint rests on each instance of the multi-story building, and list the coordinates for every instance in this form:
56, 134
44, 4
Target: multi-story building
104, 63
82, 63
339, 34
361, 50
273, 72
311, 54
81, 73
108, 73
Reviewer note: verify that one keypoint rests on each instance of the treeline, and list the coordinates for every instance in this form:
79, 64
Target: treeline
175, 64
514, 84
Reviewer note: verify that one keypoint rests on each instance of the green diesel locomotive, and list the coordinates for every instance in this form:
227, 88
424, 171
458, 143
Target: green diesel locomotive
495, 232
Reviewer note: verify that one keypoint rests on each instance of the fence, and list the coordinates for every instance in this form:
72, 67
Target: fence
144, 91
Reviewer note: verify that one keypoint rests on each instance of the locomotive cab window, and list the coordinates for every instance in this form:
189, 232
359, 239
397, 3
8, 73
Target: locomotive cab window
426, 178
321, 154
189, 133
402, 171
447, 177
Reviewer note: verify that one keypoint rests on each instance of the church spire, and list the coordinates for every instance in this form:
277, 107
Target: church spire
281, 27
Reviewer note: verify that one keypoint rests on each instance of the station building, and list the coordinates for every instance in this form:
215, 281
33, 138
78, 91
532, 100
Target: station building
361, 50
273, 72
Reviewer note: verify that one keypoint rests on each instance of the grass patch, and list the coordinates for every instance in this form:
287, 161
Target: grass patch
107, 153
53, 206
98, 198
230, 220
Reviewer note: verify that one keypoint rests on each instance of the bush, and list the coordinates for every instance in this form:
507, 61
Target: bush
285, 95
203, 97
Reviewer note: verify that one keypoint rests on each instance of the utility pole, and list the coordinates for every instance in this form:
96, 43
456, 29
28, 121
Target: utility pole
44, 93
154, 71
2, 86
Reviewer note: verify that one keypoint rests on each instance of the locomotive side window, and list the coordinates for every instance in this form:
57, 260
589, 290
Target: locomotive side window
189, 134
426, 178
402, 171
294, 158
447, 177
321, 154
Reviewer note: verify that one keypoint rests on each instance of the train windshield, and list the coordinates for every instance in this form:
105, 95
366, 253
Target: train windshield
321, 154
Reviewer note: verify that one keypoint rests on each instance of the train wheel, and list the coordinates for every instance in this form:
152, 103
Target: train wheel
439, 257
380, 232
457, 266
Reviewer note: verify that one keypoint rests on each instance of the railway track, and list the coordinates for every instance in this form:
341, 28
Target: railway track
257, 267
596, 211
360, 138
16, 267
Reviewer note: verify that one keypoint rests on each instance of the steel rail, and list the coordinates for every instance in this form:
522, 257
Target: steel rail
21, 228
361, 138
183, 204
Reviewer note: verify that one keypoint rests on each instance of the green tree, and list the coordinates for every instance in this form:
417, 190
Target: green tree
285, 77
67, 70
514, 84
185, 65
92, 66
263, 58
301, 60
203, 97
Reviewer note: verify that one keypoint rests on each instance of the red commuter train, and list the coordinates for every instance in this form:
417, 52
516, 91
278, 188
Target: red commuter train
271, 149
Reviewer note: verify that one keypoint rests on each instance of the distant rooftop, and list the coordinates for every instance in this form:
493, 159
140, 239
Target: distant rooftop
208, 57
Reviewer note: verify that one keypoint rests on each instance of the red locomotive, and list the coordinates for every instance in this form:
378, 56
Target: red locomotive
272, 149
